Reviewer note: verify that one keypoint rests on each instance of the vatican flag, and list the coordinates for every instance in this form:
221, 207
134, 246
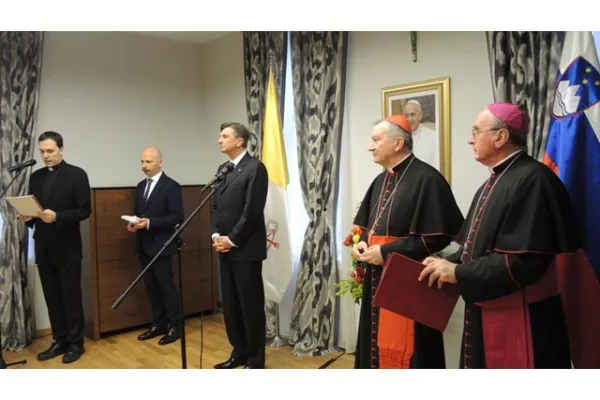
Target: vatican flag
277, 268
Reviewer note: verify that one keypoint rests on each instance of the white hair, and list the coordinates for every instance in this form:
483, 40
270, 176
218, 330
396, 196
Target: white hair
394, 132
415, 102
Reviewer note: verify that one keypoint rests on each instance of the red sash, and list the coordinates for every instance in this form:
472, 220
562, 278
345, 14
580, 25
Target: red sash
507, 327
395, 333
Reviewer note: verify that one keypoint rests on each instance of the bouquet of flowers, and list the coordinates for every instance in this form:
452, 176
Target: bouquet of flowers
354, 284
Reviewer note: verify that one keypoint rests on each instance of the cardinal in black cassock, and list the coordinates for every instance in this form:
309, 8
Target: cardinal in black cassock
408, 209
519, 220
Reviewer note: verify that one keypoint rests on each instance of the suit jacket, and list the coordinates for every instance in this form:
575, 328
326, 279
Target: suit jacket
164, 209
69, 197
238, 209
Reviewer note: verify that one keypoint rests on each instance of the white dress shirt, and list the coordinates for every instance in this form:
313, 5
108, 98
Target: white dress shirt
153, 181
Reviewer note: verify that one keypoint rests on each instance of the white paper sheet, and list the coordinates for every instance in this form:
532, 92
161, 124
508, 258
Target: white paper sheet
132, 219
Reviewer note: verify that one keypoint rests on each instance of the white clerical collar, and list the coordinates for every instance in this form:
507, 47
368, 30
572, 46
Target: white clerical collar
236, 160
54, 168
504, 159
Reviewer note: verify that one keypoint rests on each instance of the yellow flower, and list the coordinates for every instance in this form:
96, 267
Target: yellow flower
355, 238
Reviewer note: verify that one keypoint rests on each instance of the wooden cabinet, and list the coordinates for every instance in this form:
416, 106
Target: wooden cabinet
110, 264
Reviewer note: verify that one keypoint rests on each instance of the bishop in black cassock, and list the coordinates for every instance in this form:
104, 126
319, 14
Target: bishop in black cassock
408, 209
519, 220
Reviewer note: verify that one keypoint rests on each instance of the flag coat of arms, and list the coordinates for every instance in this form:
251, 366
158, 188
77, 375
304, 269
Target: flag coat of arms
573, 152
277, 268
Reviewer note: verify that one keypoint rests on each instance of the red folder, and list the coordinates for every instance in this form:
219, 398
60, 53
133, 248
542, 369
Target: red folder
401, 292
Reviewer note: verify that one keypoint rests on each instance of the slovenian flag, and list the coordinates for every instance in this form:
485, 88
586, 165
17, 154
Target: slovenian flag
573, 153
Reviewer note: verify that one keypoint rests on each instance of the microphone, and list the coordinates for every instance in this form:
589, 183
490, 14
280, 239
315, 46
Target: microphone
22, 166
220, 175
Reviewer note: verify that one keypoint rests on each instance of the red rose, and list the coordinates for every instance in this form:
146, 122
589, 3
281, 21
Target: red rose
359, 280
348, 240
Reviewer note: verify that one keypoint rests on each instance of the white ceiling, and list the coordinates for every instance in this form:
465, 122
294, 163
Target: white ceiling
196, 37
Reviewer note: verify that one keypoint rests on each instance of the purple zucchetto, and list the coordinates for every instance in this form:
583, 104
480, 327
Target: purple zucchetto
511, 114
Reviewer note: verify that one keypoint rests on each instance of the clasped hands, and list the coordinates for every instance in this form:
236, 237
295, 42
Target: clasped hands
48, 216
370, 255
222, 244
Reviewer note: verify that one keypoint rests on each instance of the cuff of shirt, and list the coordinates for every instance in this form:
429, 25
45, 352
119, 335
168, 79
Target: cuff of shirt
214, 235
148, 225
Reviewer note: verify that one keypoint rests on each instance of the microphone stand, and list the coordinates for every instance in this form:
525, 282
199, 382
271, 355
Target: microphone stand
180, 244
214, 184
332, 360
4, 364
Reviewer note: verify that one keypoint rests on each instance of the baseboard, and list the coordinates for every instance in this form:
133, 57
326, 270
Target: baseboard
42, 332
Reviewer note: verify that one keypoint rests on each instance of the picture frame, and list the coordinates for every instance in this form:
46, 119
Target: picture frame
426, 104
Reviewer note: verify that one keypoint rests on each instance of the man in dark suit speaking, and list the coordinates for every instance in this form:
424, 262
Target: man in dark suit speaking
63, 191
159, 207
239, 235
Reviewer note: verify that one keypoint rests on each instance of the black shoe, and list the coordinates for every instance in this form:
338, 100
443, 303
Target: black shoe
255, 366
173, 335
231, 363
73, 354
153, 332
56, 349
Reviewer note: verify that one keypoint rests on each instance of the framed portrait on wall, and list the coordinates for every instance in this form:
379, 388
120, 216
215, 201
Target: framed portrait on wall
426, 105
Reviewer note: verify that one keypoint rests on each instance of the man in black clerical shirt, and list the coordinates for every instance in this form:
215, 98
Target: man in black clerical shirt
63, 191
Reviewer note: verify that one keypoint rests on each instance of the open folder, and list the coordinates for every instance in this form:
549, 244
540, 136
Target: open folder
401, 292
27, 206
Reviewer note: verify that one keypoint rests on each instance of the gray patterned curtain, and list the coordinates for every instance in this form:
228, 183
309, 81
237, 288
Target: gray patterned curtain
20, 69
262, 49
319, 78
524, 67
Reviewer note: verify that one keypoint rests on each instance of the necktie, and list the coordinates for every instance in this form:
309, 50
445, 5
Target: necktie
147, 190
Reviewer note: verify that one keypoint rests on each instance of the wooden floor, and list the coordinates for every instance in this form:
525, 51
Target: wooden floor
125, 351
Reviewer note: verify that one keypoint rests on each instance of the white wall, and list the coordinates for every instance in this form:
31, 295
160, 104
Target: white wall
381, 59
112, 93
223, 89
